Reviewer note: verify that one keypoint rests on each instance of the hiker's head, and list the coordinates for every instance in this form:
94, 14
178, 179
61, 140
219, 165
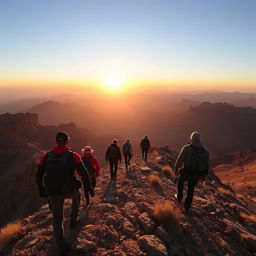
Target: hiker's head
146, 137
62, 138
195, 137
127, 140
115, 141
87, 150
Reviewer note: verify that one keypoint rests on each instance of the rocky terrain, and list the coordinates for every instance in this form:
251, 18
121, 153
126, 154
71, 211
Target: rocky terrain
124, 218
238, 170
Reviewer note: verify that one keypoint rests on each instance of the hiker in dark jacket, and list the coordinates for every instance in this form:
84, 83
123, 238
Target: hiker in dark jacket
113, 155
127, 152
145, 146
194, 160
92, 165
56, 181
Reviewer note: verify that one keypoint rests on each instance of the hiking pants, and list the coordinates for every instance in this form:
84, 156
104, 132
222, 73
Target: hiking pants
113, 168
57, 205
87, 196
144, 154
127, 158
192, 181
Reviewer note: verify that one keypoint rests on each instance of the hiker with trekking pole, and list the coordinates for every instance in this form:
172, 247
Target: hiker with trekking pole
191, 166
56, 181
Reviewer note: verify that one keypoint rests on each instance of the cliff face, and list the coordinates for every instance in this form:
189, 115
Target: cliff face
124, 219
23, 140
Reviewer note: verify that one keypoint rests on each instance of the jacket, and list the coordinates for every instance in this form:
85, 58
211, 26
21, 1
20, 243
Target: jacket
113, 153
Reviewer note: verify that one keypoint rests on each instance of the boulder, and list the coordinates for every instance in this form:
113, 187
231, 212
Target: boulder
146, 222
152, 245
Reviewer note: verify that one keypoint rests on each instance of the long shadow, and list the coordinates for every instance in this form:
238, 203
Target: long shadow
84, 216
109, 194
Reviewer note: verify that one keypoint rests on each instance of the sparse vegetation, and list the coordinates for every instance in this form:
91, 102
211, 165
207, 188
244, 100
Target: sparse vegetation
8, 233
167, 170
225, 191
249, 218
154, 180
165, 214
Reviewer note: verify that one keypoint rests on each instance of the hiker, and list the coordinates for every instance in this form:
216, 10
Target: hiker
191, 165
113, 155
56, 181
92, 165
145, 146
127, 152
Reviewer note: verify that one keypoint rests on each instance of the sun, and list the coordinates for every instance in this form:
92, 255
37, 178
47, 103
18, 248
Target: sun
114, 83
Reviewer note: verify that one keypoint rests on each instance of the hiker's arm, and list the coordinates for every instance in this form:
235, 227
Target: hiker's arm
149, 144
39, 178
96, 165
106, 156
180, 159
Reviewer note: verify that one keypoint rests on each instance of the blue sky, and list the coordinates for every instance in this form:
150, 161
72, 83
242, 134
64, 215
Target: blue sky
152, 41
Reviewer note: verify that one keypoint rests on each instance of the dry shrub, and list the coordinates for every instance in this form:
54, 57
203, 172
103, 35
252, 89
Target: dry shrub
250, 218
8, 233
165, 214
167, 170
154, 180
225, 191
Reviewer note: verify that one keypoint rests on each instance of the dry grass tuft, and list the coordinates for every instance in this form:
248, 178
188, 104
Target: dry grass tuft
250, 218
154, 180
165, 214
225, 191
8, 233
167, 170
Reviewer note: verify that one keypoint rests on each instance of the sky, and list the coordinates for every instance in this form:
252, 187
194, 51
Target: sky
170, 44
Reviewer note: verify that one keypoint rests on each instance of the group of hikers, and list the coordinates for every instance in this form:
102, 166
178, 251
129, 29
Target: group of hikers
62, 172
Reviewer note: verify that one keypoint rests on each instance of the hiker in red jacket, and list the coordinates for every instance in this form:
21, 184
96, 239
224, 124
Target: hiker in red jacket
56, 181
93, 167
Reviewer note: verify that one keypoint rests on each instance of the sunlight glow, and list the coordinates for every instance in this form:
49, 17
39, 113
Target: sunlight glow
113, 83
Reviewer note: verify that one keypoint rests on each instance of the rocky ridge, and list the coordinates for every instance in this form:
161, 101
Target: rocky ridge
121, 220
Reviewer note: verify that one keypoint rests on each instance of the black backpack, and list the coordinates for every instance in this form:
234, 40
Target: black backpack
58, 179
113, 152
199, 161
87, 160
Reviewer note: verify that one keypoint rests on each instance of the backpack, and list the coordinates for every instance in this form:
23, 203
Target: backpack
58, 179
113, 152
199, 161
88, 164
127, 148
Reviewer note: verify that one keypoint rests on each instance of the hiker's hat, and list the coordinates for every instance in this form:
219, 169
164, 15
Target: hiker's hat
87, 150
62, 137
115, 141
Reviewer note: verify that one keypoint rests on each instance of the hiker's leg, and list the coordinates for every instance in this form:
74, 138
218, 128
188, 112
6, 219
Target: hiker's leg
143, 152
111, 163
180, 187
126, 160
129, 158
146, 155
190, 193
75, 206
57, 213
87, 197
93, 181
115, 168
